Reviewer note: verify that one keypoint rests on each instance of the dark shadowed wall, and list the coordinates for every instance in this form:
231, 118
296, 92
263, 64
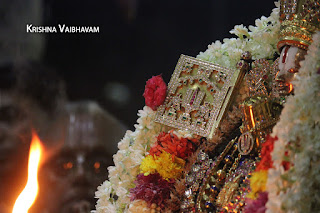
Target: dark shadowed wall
137, 39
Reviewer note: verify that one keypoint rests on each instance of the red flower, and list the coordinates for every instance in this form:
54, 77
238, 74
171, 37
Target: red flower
266, 160
170, 143
152, 189
286, 164
155, 92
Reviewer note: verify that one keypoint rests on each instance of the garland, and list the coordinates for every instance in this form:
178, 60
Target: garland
256, 200
114, 194
261, 40
159, 171
296, 189
148, 160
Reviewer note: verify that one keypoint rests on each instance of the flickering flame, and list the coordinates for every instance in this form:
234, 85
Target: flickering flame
29, 193
252, 118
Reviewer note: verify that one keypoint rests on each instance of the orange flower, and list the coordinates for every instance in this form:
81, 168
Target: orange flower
169, 142
266, 160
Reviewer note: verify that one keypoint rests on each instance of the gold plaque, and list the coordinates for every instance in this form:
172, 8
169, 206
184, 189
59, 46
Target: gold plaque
198, 96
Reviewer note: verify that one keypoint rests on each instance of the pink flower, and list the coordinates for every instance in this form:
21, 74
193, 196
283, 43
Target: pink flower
155, 92
258, 205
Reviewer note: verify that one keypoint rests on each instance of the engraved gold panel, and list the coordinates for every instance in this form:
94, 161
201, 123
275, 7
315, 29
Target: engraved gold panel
198, 96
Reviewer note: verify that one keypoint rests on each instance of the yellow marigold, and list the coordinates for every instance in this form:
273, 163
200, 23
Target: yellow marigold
169, 166
148, 165
258, 182
165, 164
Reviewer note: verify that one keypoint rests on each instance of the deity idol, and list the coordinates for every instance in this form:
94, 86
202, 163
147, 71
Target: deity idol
224, 191
207, 101
299, 21
227, 185
228, 175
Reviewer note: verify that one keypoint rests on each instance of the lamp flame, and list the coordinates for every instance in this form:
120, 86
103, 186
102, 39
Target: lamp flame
29, 193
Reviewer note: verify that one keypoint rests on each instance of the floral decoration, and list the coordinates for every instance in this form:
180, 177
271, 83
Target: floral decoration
258, 182
114, 194
161, 168
266, 160
258, 196
261, 40
164, 164
155, 92
152, 189
141, 206
171, 143
287, 178
294, 189
258, 205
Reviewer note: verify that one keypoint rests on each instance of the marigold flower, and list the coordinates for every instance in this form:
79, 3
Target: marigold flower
165, 164
148, 165
266, 160
171, 143
258, 182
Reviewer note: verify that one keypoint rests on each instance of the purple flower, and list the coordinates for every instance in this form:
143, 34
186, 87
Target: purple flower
152, 188
258, 205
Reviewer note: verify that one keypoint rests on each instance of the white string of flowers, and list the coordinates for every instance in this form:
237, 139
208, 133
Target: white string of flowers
261, 40
298, 131
113, 194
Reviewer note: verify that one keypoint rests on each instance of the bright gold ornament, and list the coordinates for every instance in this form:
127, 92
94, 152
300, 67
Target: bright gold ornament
300, 19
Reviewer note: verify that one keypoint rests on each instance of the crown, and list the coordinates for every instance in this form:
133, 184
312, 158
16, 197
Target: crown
299, 21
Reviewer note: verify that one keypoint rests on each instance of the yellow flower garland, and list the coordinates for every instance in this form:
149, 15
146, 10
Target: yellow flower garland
258, 182
165, 164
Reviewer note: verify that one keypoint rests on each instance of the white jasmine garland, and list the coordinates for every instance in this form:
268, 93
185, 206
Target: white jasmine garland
132, 149
261, 40
298, 131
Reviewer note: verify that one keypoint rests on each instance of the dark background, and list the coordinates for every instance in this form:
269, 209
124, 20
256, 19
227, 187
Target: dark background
137, 39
